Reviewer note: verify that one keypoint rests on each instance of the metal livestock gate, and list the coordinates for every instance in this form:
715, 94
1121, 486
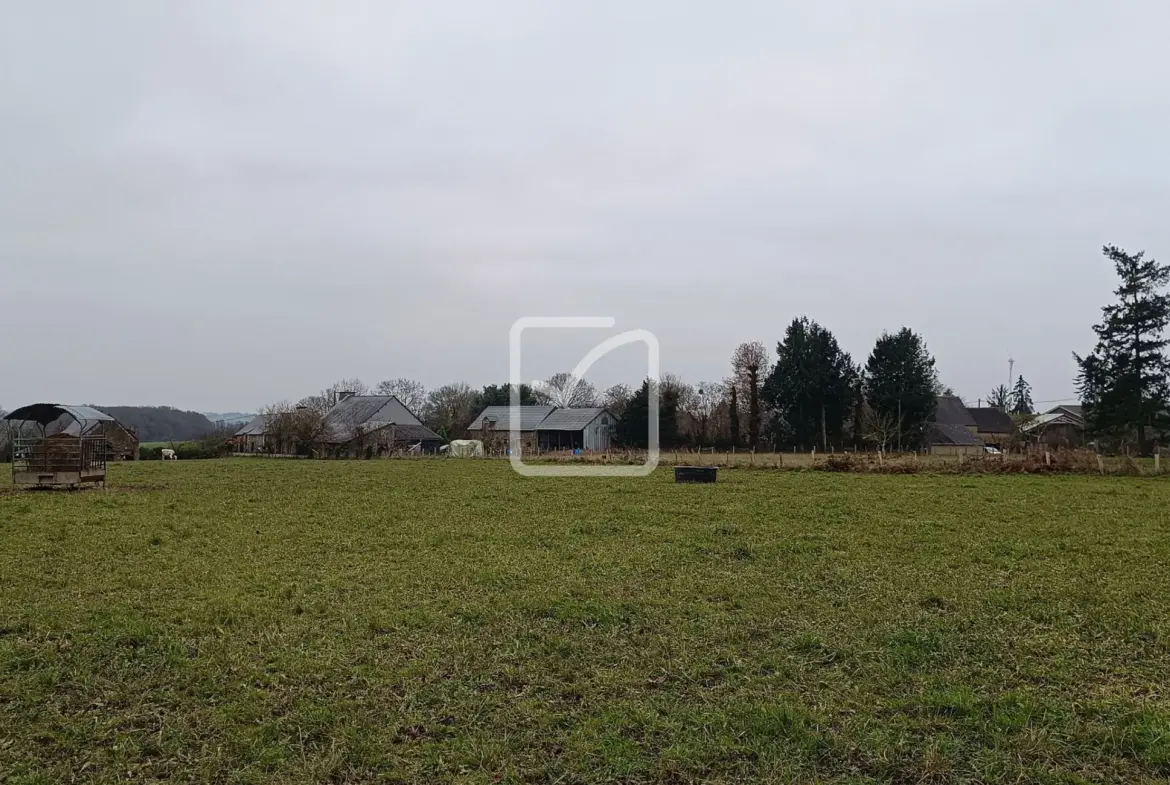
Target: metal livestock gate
57, 446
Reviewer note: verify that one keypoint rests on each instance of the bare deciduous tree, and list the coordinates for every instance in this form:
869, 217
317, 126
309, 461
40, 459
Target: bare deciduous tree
325, 400
881, 429
319, 403
296, 429
352, 384
704, 404
278, 426
450, 408
683, 391
750, 366
566, 391
616, 398
412, 394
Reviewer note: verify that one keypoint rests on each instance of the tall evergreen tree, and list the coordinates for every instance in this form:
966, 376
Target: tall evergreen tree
733, 411
1000, 398
1022, 397
501, 395
634, 426
901, 384
1123, 382
810, 386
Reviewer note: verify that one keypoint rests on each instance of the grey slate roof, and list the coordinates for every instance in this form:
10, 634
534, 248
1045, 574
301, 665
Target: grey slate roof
368, 412
992, 420
530, 417
256, 427
539, 418
415, 433
571, 419
948, 433
1075, 409
951, 411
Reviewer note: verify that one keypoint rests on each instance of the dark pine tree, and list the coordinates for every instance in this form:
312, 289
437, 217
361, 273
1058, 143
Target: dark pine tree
901, 384
501, 395
1123, 382
1000, 398
811, 385
1021, 397
633, 429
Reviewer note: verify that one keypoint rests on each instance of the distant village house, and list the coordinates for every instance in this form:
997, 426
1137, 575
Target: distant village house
964, 430
357, 426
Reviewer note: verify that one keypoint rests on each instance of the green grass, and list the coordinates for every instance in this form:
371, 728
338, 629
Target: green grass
442, 621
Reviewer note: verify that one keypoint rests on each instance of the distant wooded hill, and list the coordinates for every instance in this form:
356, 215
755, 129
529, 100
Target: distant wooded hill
161, 423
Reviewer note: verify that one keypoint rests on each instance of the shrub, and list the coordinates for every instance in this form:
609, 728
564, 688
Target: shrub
188, 451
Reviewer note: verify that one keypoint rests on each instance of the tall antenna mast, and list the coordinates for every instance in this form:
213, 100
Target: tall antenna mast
1011, 371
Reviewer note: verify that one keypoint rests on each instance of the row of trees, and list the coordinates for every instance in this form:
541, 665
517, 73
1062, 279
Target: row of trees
810, 392
1016, 400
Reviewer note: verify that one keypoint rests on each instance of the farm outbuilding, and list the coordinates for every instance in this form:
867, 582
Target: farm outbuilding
967, 430
371, 426
576, 429
545, 428
951, 439
494, 424
1061, 426
250, 438
357, 426
122, 443
54, 445
994, 426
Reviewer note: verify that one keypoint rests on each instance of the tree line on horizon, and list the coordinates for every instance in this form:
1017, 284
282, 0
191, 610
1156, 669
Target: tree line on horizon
808, 393
811, 394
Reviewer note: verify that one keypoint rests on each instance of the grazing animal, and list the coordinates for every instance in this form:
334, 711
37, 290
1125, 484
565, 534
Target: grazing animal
169, 455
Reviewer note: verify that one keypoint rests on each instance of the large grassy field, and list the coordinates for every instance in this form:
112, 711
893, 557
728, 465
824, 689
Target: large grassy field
437, 621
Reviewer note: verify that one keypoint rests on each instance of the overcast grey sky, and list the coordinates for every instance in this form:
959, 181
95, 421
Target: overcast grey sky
213, 205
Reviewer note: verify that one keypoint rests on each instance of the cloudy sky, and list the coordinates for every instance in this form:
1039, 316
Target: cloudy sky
214, 205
